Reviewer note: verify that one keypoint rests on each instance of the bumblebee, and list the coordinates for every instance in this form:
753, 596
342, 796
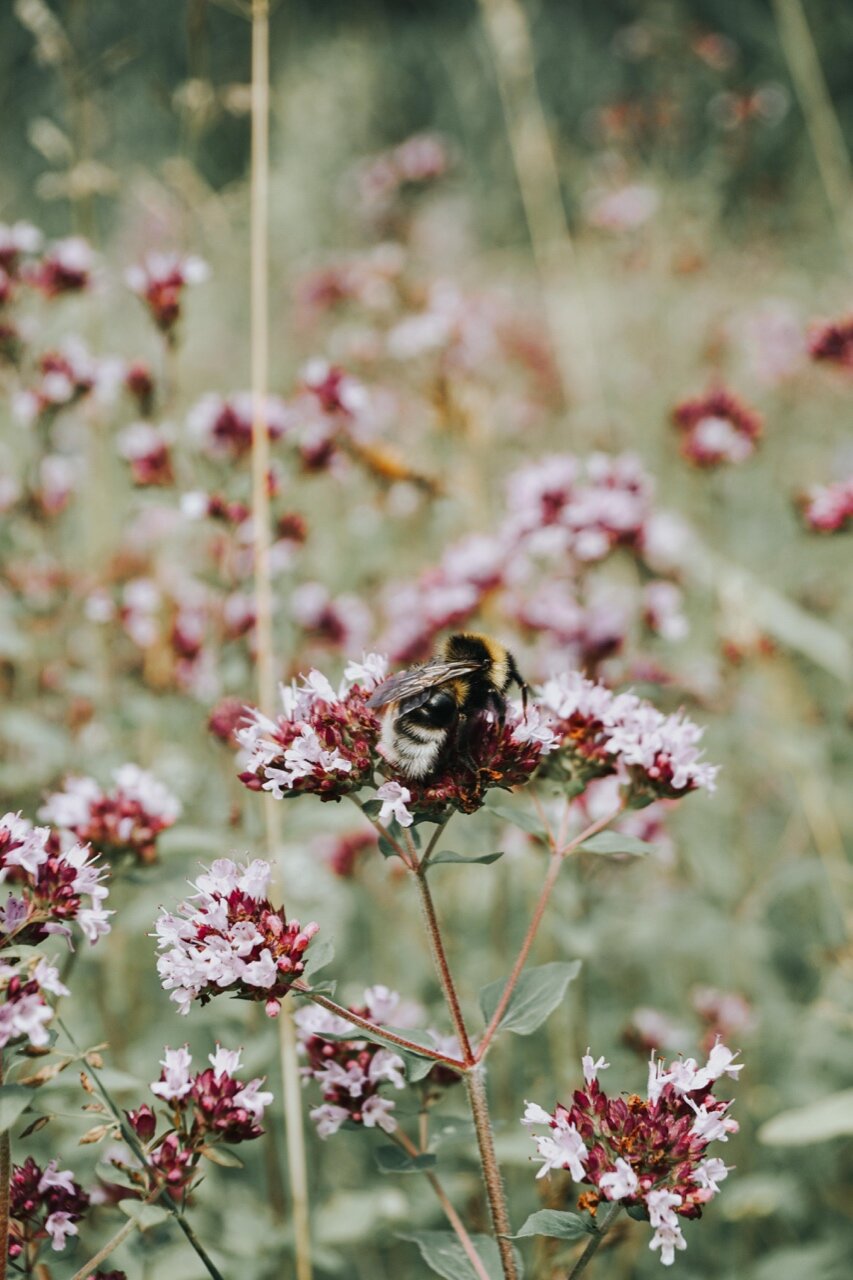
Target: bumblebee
435, 708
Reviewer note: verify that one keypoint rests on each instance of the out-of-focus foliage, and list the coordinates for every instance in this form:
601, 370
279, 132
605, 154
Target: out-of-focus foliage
706, 249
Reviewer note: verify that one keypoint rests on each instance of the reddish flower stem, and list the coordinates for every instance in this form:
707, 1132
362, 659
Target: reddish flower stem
521, 959
476, 1086
445, 977
357, 1021
450, 1213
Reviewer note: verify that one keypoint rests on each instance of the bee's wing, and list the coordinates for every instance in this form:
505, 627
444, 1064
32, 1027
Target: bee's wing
408, 684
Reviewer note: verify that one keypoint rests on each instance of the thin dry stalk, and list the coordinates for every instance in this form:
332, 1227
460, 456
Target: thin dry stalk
568, 308
825, 133
449, 1211
294, 1134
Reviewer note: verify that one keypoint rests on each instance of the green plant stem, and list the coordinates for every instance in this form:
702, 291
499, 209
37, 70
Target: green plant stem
356, 1020
476, 1086
596, 1241
139, 1151
566, 301
556, 861
113, 1243
450, 1213
824, 129
5, 1189
442, 967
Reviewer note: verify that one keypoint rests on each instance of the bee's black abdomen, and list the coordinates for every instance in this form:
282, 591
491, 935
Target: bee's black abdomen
439, 711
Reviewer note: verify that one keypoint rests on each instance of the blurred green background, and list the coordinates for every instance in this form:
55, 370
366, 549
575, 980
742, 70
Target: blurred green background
129, 123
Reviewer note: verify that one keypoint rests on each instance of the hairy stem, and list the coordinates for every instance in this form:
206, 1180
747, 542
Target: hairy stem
356, 1020
521, 959
476, 1086
5, 1190
596, 1241
443, 968
452, 1216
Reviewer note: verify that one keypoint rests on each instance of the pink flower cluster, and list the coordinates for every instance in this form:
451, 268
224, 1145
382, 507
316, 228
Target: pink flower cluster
325, 740
828, 508
563, 515
205, 1107
221, 426
602, 732
122, 823
66, 267
160, 282
147, 448
229, 937
649, 1154
422, 158
350, 1071
53, 885
25, 1013
717, 428
44, 1204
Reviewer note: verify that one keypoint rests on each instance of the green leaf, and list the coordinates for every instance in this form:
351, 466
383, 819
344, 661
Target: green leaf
218, 1155
537, 994
444, 1255
14, 1099
387, 849
372, 807
446, 856
319, 955
144, 1215
391, 1159
518, 817
558, 1225
610, 842
638, 1212
829, 1117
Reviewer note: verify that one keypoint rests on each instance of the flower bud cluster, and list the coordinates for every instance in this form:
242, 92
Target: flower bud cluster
205, 1107
229, 937
717, 428
53, 887
602, 732
650, 1154
350, 1071
324, 742
122, 823
160, 282
44, 1204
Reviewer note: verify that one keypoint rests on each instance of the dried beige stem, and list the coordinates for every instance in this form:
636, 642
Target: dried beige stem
294, 1135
